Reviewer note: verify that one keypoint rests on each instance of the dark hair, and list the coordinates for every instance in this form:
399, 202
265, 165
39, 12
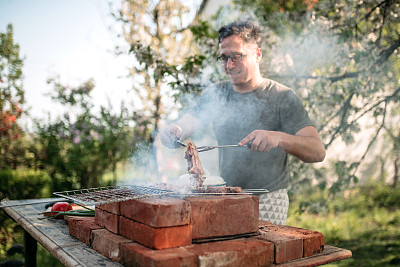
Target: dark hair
248, 30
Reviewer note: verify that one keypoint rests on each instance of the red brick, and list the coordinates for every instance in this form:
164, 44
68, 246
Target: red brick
214, 216
111, 207
262, 223
134, 254
313, 241
286, 247
67, 217
81, 227
244, 252
107, 220
158, 238
108, 244
157, 211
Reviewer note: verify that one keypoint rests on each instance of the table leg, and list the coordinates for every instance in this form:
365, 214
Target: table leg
30, 250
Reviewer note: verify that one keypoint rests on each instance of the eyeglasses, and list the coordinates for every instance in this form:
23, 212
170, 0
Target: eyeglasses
234, 57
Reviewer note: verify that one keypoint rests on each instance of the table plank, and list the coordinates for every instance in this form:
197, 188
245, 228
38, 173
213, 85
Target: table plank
328, 255
54, 234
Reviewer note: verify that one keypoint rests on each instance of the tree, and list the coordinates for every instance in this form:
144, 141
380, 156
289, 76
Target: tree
78, 148
11, 95
391, 147
158, 36
342, 57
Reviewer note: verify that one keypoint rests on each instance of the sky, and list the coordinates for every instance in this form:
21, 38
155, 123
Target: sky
70, 39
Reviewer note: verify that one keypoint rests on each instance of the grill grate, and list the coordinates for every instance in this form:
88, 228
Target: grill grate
110, 194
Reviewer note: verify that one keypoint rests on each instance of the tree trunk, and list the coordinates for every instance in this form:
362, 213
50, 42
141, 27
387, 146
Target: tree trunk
396, 171
382, 175
156, 149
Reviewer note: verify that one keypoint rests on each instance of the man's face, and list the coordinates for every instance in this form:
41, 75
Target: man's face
241, 72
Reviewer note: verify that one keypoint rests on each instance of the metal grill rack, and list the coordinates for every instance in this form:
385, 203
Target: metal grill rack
110, 194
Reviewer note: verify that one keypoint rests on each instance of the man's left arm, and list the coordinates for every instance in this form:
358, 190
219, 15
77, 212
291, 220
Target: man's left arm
306, 144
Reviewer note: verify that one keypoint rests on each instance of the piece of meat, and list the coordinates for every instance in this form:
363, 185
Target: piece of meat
218, 189
194, 165
197, 174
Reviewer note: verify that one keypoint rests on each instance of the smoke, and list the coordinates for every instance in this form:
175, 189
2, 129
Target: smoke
299, 54
140, 169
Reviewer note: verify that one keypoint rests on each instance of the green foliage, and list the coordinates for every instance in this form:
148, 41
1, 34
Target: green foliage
10, 233
369, 196
341, 57
152, 60
206, 38
24, 184
10, 69
11, 96
282, 17
78, 149
364, 197
159, 47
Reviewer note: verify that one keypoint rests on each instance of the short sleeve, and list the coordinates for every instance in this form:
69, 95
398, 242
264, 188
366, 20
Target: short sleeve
293, 115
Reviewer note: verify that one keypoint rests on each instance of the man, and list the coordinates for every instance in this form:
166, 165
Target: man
250, 109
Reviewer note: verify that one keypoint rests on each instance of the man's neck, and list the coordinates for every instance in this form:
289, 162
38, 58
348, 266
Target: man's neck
248, 87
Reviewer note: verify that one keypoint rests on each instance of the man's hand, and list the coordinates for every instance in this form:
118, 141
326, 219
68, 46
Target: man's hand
305, 144
262, 140
181, 129
170, 134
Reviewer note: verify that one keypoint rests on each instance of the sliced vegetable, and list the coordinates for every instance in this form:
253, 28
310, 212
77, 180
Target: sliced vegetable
67, 211
60, 206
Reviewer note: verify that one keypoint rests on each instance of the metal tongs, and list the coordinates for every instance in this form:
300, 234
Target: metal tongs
180, 142
207, 148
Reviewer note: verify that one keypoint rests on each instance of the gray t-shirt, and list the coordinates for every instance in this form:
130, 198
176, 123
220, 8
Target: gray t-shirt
233, 116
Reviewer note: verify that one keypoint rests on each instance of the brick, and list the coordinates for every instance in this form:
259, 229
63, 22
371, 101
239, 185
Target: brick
81, 228
214, 216
244, 252
286, 247
107, 220
262, 223
108, 244
313, 241
157, 211
110, 207
68, 217
157, 238
134, 254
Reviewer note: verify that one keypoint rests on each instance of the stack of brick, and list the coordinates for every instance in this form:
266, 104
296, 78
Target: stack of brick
174, 232
291, 242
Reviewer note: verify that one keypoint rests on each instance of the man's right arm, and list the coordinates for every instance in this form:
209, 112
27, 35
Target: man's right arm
181, 129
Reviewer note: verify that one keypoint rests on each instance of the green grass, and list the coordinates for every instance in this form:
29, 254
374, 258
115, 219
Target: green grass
367, 222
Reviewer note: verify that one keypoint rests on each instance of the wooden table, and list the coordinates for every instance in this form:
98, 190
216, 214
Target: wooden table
54, 236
